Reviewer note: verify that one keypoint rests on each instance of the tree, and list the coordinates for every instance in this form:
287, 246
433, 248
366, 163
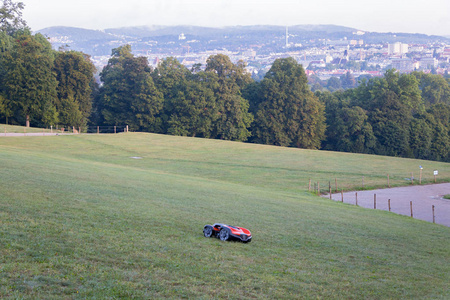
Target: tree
129, 95
28, 82
409, 92
74, 72
348, 81
390, 122
11, 17
288, 114
420, 136
435, 89
348, 128
333, 84
227, 81
169, 76
389, 107
193, 111
356, 134
440, 145
441, 112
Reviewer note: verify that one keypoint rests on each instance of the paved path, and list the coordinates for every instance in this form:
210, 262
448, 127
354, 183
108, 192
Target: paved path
31, 134
422, 197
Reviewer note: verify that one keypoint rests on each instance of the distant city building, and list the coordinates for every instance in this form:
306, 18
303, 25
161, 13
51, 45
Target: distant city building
402, 64
446, 53
181, 37
318, 64
249, 53
397, 48
339, 43
356, 42
428, 63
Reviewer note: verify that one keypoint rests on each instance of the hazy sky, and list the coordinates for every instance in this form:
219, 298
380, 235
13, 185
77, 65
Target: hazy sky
415, 16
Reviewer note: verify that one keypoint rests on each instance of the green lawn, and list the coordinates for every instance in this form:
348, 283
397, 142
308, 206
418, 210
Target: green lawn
20, 129
121, 216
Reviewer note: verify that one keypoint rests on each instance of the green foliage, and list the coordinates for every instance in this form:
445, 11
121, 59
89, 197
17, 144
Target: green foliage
334, 84
129, 95
74, 72
288, 113
348, 128
395, 115
440, 147
421, 136
435, 89
11, 17
193, 111
189, 103
348, 81
227, 80
28, 83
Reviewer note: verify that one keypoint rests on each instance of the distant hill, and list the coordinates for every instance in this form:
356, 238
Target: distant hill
76, 33
176, 39
92, 42
152, 31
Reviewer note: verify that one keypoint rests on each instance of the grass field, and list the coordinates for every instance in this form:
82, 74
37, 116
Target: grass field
121, 216
20, 129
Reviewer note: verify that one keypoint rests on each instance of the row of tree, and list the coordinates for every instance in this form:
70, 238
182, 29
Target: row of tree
41, 86
399, 114
221, 101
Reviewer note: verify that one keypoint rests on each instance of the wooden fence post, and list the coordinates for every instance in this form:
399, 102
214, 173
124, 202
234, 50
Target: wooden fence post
389, 204
374, 201
318, 188
330, 194
114, 129
98, 129
342, 195
309, 185
356, 196
432, 208
410, 205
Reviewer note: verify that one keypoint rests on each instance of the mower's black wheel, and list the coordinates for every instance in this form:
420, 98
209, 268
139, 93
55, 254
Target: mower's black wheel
207, 231
224, 234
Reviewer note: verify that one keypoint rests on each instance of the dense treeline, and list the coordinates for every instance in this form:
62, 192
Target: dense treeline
40, 86
399, 114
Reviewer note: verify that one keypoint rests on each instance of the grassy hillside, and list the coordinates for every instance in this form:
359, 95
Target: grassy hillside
111, 216
21, 129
